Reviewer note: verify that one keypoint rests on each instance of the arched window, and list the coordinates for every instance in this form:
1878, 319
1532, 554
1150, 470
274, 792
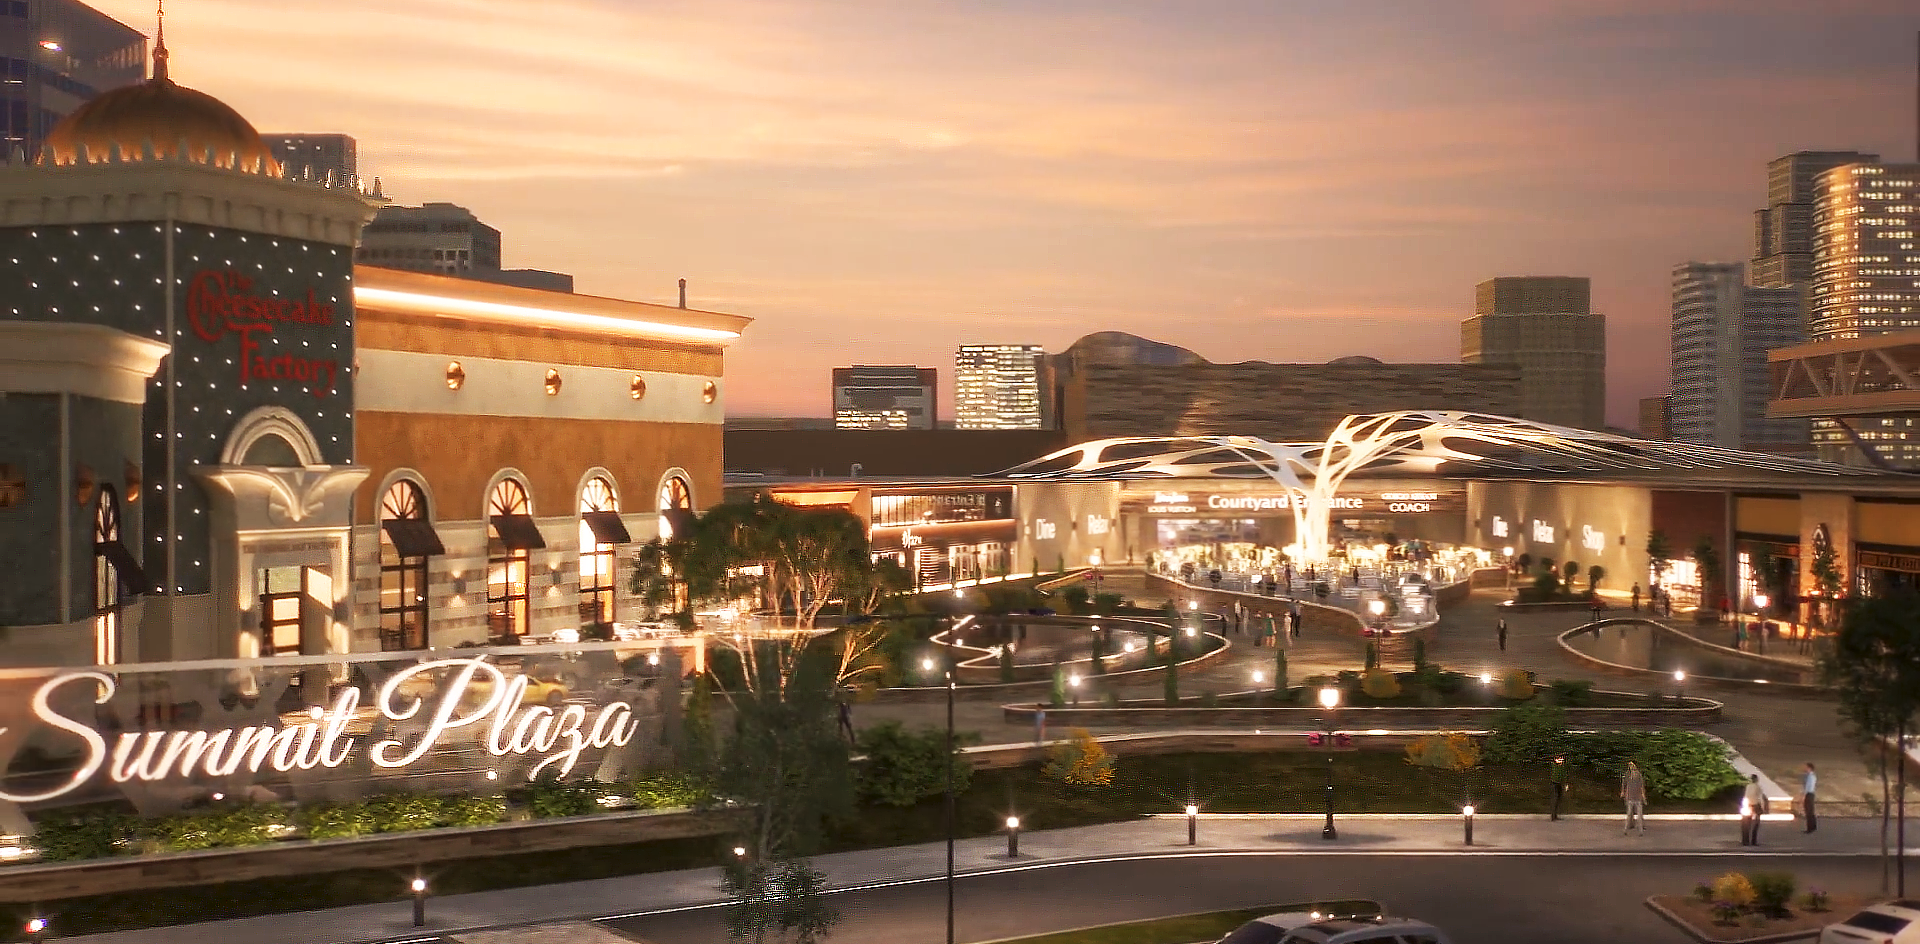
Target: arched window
601, 530
403, 567
676, 505
511, 533
108, 600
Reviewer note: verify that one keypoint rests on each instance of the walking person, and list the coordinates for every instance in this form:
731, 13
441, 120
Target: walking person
1753, 805
1636, 598
846, 719
1501, 629
1666, 601
1039, 724
1808, 781
1633, 790
1558, 775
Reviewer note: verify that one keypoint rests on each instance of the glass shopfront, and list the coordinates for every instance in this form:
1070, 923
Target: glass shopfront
1882, 569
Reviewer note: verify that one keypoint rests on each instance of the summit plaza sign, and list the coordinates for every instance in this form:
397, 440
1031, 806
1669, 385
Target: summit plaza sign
473, 697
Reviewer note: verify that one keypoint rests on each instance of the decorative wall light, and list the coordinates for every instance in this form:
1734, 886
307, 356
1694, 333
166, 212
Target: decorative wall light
710, 392
83, 484
456, 375
13, 486
638, 388
131, 476
553, 383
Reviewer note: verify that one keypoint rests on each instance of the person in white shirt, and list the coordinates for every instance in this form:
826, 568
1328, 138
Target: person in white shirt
1808, 782
1753, 806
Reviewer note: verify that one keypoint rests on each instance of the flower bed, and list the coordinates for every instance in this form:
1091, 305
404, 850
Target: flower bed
1751, 907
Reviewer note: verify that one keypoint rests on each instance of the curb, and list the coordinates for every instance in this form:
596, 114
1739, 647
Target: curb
1689, 930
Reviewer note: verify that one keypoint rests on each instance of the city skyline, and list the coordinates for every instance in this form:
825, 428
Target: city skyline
882, 187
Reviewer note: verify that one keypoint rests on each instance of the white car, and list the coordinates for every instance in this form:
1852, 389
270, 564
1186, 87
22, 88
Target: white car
1895, 922
1298, 927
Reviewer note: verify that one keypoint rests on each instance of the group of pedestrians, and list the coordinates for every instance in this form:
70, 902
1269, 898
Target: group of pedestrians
1659, 601
1633, 793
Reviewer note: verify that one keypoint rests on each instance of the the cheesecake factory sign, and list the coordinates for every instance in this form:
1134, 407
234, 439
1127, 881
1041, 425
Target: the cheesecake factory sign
473, 701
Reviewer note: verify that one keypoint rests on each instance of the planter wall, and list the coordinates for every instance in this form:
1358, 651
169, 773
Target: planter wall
1317, 616
400, 851
1002, 756
1042, 688
1696, 711
1703, 682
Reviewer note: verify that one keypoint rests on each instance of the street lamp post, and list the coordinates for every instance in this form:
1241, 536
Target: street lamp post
930, 665
1759, 622
1467, 813
1013, 837
1680, 684
1193, 824
1378, 608
1329, 700
419, 902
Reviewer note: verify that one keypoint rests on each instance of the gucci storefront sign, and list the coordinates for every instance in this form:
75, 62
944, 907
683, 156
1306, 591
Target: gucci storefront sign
428, 707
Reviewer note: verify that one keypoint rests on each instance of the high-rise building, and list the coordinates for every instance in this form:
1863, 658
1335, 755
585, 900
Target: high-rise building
1722, 330
1002, 386
57, 54
1783, 231
1544, 325
1655, 417
884, 396
446, 239
1866, 280
314, 156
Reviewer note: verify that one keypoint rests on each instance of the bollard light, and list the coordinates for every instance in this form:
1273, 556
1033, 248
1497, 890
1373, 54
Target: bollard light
1486, 678
1073, 683
739, 852
1193, 824
1193, 604
926, 664
419, 902
1190, 631
36, 927
1680, 684
1466, 813
1013, 837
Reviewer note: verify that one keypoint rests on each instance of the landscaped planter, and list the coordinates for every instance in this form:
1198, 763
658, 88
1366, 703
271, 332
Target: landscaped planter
1695, 711
401, 850
1693, 680
1041, 688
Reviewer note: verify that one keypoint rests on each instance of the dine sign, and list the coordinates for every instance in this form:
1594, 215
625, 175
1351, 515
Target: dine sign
474, 693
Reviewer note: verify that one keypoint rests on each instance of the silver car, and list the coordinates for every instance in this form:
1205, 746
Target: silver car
1313, 927
1893, 922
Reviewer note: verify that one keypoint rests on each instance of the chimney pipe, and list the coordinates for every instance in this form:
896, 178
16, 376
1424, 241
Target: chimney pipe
683, 293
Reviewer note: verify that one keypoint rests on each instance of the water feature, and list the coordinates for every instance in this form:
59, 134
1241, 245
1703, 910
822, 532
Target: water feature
1646, 646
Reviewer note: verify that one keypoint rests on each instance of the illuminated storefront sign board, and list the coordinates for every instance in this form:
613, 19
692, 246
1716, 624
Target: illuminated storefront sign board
1592, 540
1542, 532
1099, 524
221, 303
473, 694
1044, 530
1500, 527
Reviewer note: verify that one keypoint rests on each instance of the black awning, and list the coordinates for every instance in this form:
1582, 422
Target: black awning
679, 523
518, 532
413, 537
607, 527
132, 575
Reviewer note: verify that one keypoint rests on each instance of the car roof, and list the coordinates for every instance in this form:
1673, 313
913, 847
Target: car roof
1907, 907
1332, 930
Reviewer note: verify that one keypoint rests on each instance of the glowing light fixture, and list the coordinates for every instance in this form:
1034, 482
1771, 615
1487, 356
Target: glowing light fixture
550, 317
553, 383
456, 375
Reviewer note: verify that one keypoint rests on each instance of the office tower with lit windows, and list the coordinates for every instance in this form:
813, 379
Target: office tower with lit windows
1002, 386
446, 239
1545, 326
884, 396
314, 156
1783, 230
1722, 330
1866, 281
58, 54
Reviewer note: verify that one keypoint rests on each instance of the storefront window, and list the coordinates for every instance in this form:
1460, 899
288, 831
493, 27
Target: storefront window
895, 511
675, 496
403, 575
509, 511
599, 509
107, 598
280, 605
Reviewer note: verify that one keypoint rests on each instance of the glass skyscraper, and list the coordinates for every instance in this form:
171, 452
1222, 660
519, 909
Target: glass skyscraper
58, 54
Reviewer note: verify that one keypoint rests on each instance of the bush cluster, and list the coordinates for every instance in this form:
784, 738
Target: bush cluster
1677, 764
902, 767
1758, 894
1081, 762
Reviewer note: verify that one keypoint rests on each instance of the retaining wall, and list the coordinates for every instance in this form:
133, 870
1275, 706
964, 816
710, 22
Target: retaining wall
1695, 711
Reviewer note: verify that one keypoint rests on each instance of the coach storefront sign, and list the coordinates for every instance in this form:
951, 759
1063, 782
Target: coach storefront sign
418, 717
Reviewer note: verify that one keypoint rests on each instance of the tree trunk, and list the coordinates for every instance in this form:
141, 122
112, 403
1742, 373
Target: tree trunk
1900, 838
1886, 812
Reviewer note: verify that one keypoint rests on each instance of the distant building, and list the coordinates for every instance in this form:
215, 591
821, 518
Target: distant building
1783, 231
1002, 386
446, 239
57, 55
867, 396
1545, 326
314, 156
1865, 261
1279, 402
1654, 422
880, 453
1722, 330
763, 423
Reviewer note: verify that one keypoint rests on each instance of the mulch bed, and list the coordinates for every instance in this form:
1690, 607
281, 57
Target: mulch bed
1696, 918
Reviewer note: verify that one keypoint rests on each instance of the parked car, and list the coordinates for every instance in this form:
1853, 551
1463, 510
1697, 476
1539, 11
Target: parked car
1893, 922
1315, 928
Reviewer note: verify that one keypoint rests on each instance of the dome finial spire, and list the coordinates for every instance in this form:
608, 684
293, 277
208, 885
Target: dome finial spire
160, 46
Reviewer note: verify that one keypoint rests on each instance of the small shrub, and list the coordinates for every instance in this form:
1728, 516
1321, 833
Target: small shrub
1076, 597
1452, 751
71, 835
1380, 684
1771, 892
1685, 765
1516, 685
1527, 735
1733, 888
217, 828
1573, 693
1703, 892
1419, 655
1815, 900
550, 797
672, 790
903, 767
1081, 761
1107, 603
1726, 912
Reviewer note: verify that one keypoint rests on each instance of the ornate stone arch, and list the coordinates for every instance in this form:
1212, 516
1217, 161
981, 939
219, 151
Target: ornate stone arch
419, 481
486, 496
666, 478
598, 472
259, 426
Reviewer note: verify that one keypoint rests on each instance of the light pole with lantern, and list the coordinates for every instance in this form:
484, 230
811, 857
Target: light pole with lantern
1680, 684
1378, 608
1759, 622
946, 668
1329, 700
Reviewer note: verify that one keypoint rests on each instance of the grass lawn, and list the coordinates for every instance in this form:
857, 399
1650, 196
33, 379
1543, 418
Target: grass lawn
1269, 782
1186, 929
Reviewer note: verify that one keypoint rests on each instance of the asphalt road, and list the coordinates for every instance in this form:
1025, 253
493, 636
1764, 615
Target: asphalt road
1476, 899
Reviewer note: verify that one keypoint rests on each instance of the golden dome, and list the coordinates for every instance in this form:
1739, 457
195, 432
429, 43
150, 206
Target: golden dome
166, 117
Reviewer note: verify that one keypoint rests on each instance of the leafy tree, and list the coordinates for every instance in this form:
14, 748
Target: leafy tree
1595, 574
779, 901
1873, 666
1659, 554
1546, 564
903, 767
1707, 559
1825, 568
1076, 597
1546, 585
872, 588
786, 763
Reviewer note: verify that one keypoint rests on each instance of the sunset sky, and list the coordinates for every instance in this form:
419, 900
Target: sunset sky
878, 181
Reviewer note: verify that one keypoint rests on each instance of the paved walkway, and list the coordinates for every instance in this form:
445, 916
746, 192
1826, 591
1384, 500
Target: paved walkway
552, 906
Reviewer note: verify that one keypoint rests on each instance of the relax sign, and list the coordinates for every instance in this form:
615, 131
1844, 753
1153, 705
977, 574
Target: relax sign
425, 709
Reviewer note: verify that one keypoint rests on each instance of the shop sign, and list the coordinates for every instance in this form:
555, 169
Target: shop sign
1542, 532
1877, 560
1044, 530
1275, 502
1499, 527
1098, 524
1592, 540
910, 539
219, 303
474, 694
1171, 503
